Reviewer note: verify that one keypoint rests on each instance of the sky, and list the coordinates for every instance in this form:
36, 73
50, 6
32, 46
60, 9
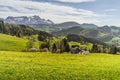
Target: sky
99, 12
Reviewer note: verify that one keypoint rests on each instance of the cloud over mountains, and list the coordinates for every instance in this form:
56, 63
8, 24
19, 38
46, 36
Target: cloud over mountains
56, 10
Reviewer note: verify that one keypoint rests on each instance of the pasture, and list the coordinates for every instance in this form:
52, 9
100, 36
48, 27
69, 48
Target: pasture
48, 66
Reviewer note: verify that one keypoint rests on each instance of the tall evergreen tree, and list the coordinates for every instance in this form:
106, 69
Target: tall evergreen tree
67, 48
1, 26
54, 48
95, 48
113, 50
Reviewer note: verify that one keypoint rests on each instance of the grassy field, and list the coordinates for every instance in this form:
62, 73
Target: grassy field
82, 46
47, 66
11, 43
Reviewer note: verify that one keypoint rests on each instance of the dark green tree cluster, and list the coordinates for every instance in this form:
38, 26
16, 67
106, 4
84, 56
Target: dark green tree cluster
104, 49
61, 46
16, 30
43, 36
30, 43
80, 38
1, 26
95, 48
45, 45
113, 50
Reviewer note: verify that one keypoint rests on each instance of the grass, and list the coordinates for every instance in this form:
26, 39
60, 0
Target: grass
47, 66
11, 43
115, 40
82, 46
101, 34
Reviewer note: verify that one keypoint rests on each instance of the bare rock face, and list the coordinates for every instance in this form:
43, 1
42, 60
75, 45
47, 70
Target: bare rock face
27, 20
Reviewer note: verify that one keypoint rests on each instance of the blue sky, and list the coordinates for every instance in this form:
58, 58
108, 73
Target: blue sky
99, 12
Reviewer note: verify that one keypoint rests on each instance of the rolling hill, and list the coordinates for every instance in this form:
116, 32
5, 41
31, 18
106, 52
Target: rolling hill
12, 43
104, 34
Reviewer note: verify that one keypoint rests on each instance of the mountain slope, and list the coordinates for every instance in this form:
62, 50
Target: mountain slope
12, 43
80, 38
73, 30
65, 25
104, 34
88, 32
86, 25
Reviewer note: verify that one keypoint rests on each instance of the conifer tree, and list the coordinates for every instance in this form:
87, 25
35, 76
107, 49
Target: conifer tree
113, 50
54, 48
95, 48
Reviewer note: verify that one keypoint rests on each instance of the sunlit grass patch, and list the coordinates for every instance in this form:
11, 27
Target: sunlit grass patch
48, 66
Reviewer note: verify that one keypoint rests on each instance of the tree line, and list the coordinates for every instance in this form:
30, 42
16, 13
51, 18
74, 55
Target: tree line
16, 30
63, 46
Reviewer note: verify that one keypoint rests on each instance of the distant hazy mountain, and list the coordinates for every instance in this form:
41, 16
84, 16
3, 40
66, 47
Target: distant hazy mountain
27, 20
2, 19
61, 26
86, 25
89, 32
43, 24
109, 34
105, 29
69, 24
73, 30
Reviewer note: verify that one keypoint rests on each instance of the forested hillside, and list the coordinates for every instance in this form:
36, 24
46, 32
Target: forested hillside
16, 30
108, 34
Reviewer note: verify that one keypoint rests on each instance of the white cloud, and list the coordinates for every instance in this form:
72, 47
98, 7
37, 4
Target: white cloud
57, 13
76, 1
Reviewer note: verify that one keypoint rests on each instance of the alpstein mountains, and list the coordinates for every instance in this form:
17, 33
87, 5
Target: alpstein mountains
44, 24
108, 34
27, 20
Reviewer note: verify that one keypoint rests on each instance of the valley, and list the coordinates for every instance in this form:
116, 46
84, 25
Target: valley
59, 40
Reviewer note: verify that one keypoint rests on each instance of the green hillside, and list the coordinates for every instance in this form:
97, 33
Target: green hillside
115, 40
12, 43
107, 34
82, 46
47, 66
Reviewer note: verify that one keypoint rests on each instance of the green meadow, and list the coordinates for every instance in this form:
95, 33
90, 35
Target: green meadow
48, 66
16, 65
12, 43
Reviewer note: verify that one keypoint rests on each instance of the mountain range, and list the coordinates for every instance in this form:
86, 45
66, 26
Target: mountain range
44, 24
27, 20
108, 34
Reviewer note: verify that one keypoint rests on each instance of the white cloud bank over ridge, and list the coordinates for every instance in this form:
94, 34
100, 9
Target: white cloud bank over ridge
76, 1
56, 13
